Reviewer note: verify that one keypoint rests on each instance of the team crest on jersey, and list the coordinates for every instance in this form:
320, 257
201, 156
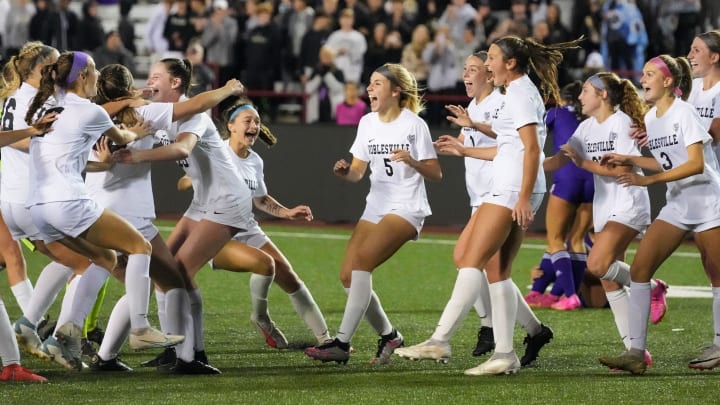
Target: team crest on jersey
487, 116
613, 136
676, 127
411, 138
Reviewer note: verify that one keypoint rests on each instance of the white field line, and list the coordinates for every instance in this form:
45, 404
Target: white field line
674, 291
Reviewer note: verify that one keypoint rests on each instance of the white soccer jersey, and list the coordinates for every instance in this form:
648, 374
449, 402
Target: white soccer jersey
521, 105
394, 184
14, 188
478, 172
215, 180
707, 104
58, 159
592, 140
127, 188
250, 170
695, 198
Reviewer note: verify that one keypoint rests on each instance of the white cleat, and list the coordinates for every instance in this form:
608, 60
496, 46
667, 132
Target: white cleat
708, 360
427, 350
28, 339
273, 336
151, 338
60, 355
497, 365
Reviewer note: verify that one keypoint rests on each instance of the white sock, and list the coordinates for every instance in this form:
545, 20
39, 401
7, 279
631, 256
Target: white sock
65, 314
88, 287
357, 302
716, 314
137, 287
9, 352
487, 306
639, 314
259, 289
504, 308
196, 309
618, 272
464, 295
309, 312
23, 292
620, 306
525, 315
161, 306
117, 330
51, 280
377, 318
177, 307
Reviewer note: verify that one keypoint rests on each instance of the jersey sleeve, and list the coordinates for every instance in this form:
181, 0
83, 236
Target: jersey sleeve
524, 111
577, 141
195, 125
261, 189
99, 121
159, 114
425, 149
624, 144
359, 147
692, 129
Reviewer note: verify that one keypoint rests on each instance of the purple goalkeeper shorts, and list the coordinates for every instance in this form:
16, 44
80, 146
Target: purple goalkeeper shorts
576, 191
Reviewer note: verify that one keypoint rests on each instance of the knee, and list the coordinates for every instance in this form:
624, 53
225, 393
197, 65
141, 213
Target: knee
597, 266
345, 279
141, 246
285, 277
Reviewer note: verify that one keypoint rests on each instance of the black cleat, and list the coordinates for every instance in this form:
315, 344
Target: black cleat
166, 358
193, 367
114, 364
486, 341
334, 350
96, 335
201, 356
87, 348
534, 344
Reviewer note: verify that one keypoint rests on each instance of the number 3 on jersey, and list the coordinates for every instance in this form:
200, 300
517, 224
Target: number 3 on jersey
388, 167
667, 164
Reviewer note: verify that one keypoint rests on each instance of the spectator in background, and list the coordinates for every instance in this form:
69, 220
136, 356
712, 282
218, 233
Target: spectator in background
412, 55
456, 16
350, 47
218, 38
376, 14
39, 29
63, 28
486, 21
155, 42
263, 47
325, 88
469, 45
393, 47
17, 26
623, 38
311, 43
352, 108
179, 28
400, 20
362, 16
558, 32
376, 53
296, 23
203, 76
113, 52
126, 28
541, 32
441, 58
330, 9
91, 34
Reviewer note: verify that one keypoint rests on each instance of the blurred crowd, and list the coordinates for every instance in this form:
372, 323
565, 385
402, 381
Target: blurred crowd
328, 48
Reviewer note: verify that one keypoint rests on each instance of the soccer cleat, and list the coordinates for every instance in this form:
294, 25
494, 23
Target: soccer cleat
546, 301
114, 364
273, 336
648, 362
486, 341
632, 360
567, 303
534, 298
533, 344
151, 338
496, 365
387, 344
658, 301
96, 335
18, 373
707, 360
191, 368
166, 358
428, 350
45, 328
69, 336
59, 354
88, 350
201, 356
335, 350
28, 339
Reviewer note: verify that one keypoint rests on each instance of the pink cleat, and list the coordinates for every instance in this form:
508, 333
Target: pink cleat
547, 301
533, 298
567, 303
658, 302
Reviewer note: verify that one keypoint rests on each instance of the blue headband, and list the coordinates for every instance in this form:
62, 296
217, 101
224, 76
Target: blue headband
241, 108
79, 63
596, 81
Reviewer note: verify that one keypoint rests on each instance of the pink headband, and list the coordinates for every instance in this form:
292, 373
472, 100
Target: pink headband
660, 64
79, 63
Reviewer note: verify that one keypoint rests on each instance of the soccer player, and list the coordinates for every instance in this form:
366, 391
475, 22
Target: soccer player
683, 158
63, 211
394, 142
619, 213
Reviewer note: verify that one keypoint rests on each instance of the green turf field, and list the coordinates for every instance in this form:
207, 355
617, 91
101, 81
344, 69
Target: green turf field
413, 287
